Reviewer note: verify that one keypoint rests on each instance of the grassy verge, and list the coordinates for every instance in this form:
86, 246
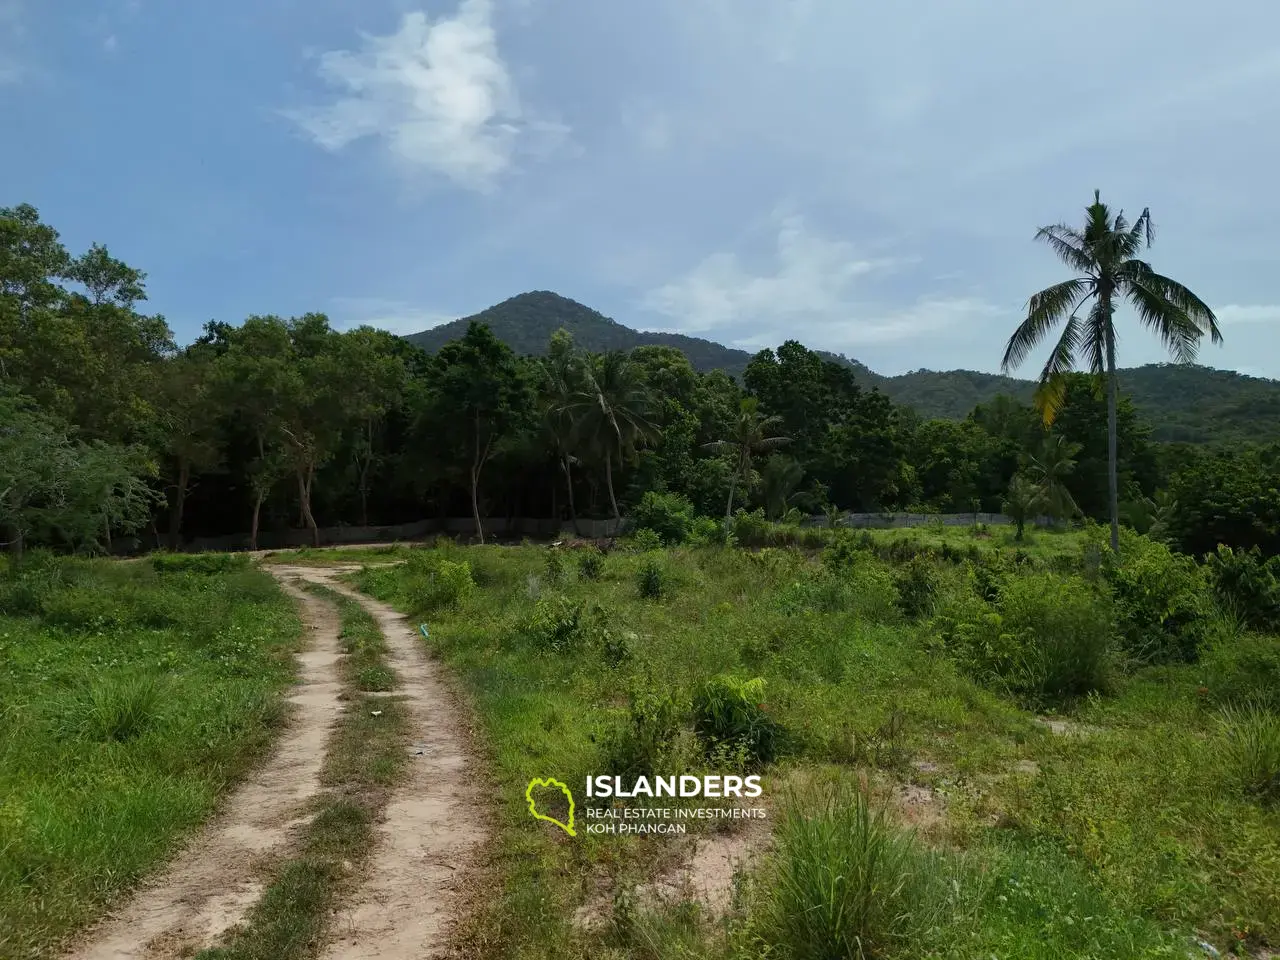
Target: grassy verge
579, 666
132, 696
365, 758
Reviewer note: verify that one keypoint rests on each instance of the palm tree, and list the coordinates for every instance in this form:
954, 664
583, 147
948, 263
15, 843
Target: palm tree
563, 378
1049, 467
781, 476
1024, 500
611, 409
750, 435
1104, 255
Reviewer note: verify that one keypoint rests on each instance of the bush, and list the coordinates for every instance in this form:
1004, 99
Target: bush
647, 743
917, 583
846, 550
1247, 585
645, 540
729, 714
557, 625
652, 581
843, 882
708, 531
1252, 749
1047, 637
1244, 670
555, 566
669, 515
591, 563
434, 583
203, 563
1162, 599
751, 529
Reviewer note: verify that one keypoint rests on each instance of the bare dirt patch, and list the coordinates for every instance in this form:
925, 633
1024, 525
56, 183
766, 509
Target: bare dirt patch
213, 882
434, 823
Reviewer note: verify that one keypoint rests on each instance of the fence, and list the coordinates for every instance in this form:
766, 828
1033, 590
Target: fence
534, 528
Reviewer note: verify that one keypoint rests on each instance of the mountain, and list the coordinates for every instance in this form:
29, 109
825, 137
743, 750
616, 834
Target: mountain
526, 322
1188, 403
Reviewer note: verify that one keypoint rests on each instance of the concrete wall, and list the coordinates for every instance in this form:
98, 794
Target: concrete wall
536, 529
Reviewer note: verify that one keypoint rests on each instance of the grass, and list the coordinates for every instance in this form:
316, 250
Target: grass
132, 696
365, 758
1125, 843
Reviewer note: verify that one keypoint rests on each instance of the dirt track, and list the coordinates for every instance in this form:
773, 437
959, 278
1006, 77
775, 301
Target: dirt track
432, 828
213, 882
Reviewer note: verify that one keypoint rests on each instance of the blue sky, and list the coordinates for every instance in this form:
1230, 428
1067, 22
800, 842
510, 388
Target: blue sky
866, 178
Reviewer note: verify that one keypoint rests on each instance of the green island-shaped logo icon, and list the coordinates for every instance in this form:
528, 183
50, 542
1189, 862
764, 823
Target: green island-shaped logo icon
533, 804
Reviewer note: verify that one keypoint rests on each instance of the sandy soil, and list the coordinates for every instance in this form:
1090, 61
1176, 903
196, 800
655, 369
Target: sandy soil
209, 887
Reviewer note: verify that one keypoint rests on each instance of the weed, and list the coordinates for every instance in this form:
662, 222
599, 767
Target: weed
1252, 749
652, 581
591, 563
729, 712
116, 709
669, 515
645, 540
554, 565
917, 583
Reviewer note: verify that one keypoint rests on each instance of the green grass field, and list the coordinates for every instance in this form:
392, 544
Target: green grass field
1126, 836
132, 695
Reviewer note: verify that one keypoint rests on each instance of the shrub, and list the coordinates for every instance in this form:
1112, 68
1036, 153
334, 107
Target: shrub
1162, 599
1252, 749
917, 583
647, 743
434, 583
843, 882
645, 540
1243, 582
202, 563
555, 566
729, 712
591, 563
846, 550
1244, 670
823, 593
652, 581
751, 529
1046, 638
708, 531
557, 625
669, 515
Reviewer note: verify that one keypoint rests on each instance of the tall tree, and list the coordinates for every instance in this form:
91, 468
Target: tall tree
614, 410
479, 398
189, 427
562, 375
752, 433
1104, 255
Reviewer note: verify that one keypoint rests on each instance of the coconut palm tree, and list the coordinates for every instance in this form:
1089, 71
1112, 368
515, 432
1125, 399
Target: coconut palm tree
750, 435
562, 380
1049, 467
611, 408
1105, 258
1023, 502
781, 477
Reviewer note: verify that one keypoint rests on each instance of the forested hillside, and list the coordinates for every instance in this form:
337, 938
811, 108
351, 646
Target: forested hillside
108, 428
1181, 403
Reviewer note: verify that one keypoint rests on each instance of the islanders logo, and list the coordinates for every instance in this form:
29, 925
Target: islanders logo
552, 783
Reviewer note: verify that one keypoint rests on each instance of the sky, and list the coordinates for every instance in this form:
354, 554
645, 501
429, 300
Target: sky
865, 178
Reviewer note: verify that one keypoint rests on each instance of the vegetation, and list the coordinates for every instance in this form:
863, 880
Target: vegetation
790, 664
1104, 257
133, 696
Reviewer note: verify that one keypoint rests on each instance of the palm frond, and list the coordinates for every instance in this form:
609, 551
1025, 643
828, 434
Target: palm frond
1070, 246
1093, 344
1198, 315
1044, 310
1134, 238
1050, 394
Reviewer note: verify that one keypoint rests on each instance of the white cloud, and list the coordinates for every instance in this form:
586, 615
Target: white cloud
813, 280
395, 316
1233, 314
438, 96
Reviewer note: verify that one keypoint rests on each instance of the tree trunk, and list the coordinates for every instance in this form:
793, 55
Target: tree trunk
253, 526
366, 462
476, 464
304, 495
608, 477
728, 510
106, 529
179, 504
1113, 473
568, 482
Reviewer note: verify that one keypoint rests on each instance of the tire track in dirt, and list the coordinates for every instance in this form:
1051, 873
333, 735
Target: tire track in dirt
433, 826
212, 883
